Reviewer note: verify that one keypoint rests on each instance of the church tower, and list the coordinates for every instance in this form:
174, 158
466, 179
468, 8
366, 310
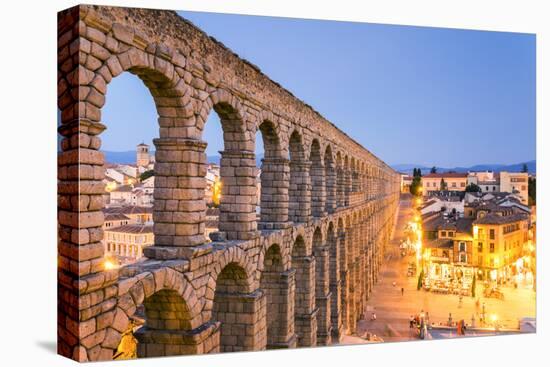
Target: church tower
142, 155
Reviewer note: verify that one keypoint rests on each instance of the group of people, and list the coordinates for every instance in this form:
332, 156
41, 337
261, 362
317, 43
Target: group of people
420, 321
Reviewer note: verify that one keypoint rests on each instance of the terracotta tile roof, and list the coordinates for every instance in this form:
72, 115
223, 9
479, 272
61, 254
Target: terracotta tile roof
115, 216
446, 175
128, 210
132, 228
501, 219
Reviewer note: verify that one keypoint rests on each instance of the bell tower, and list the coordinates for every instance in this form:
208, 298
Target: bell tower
142, 155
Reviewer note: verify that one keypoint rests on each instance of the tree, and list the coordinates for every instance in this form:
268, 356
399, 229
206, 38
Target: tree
532, 191
420, 277
524, 168
442, 185
145, 175
472, 187
433, 170
416, 184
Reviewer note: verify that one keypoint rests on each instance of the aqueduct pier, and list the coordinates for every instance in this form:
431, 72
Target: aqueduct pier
299, 275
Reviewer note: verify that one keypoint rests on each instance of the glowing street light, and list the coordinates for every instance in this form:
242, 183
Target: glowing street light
109, 265
217, 192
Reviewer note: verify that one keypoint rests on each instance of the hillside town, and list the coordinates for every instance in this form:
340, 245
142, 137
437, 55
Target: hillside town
128, 212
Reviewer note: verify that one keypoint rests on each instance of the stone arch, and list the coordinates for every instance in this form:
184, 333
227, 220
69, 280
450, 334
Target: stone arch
235, 255
278, 286
241, 312
170, 306
275, 176
299, 192
237, 168
340, 182
318, 193
330, 180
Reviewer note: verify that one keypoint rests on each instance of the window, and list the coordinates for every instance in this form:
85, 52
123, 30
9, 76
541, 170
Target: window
486, 188
443, 234
480, 260
454, 184
462, 246
492, 248
463, 184
451, 234
492, 234
480, 246
492, 262
463, 258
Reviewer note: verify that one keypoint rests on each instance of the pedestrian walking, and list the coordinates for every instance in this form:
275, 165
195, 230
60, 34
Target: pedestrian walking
373, 317
394, 284
402, 290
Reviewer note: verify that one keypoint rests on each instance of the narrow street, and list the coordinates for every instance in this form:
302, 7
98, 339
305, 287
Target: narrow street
393, 310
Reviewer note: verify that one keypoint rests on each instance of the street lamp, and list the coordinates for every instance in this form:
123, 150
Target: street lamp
109, 265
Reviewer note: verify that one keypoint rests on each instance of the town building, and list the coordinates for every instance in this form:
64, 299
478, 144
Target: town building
515, 182
507, 182
451, 181
127, 230
406, 182
489, 240
127, 242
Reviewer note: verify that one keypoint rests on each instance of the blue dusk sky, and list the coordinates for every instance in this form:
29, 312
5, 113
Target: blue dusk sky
432, 96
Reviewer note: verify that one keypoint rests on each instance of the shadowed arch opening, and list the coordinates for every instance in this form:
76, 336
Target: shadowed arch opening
299, 193
317, 170
277, 286
158, 316
236, 309
322, 292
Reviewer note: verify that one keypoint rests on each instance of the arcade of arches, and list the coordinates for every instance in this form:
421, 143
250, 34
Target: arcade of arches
298, 274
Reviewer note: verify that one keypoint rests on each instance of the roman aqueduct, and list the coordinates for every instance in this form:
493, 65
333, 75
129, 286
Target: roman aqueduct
297, 276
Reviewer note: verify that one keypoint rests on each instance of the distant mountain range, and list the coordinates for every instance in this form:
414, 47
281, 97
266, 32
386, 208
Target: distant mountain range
408, 168
129, 157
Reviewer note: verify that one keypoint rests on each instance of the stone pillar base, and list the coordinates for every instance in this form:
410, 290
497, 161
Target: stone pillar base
292, 342
160, 343
243, 318
337, 333
324, 327
306, 329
